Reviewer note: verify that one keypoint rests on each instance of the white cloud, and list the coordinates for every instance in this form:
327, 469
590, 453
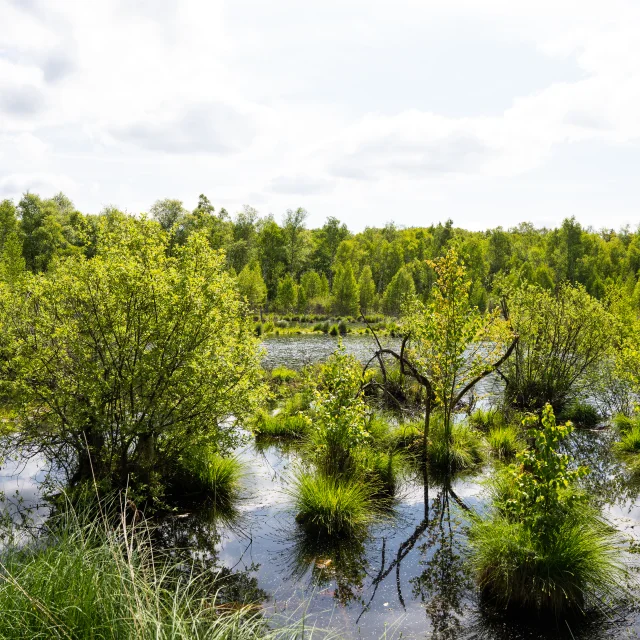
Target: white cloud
415, 110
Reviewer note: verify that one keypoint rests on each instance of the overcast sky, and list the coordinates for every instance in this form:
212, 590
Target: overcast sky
488, 112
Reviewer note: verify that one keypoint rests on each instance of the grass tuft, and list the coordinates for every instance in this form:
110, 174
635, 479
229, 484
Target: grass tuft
504, 442
574, 571
333, 506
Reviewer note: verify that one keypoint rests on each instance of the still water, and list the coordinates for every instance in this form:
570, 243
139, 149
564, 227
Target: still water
408, 577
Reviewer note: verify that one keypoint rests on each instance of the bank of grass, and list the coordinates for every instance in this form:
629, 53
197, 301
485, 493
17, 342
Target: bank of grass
577, 570
334, 506
84, 579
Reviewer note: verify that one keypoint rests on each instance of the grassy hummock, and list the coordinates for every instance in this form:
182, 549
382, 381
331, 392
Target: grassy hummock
504, 442
333, 506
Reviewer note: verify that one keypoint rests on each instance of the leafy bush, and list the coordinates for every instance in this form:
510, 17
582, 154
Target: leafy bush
542, 547
333, 506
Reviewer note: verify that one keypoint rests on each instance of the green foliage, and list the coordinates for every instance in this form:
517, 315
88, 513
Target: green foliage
400, 289
462, 448
541, 476
367, 289
287, 294
282, 425
338, 421
575, 571
208, 473
505, 441
345, 291
563, 336
630, 440
158, 345
333, 506
80, 579
542, 547
283, 375
581, 414
252, 286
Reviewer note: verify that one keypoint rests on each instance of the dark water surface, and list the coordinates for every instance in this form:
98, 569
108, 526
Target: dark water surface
408, 577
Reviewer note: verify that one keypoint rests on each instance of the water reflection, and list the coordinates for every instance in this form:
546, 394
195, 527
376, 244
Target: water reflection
442, 584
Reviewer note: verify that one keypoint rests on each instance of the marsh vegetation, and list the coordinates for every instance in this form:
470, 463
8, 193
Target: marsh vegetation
468, 461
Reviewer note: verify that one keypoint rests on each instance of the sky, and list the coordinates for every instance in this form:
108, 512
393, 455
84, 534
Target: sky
414, 111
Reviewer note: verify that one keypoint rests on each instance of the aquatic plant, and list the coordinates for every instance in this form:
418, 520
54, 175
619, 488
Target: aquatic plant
542, 547
504, 442
81, 578
281, 425
333, 506
462, 449
630, 440
581, 414
283, 375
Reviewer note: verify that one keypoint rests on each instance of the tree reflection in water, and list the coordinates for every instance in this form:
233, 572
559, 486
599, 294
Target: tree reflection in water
443, 582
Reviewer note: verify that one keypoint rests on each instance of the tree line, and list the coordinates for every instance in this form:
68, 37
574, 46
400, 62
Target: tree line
285, 267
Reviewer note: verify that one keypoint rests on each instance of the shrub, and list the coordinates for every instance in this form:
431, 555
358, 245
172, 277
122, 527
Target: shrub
342, 328
267, 327
570, 572
542, 547
333, 506
283, 375
281, 324
630, 440
334, 330
582, 414
505, 442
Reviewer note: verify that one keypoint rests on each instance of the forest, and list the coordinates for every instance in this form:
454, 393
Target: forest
242, 427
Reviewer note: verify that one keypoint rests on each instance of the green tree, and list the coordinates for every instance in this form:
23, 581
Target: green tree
345, 291
287, 291
168, 212
564, 334
367, 289
312, 284
12, 263
8, 222
296, 242
252, 286
400, 288
121, 364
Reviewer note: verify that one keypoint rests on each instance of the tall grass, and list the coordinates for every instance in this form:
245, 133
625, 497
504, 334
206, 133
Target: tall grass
505, 442
213, 475
82, 579
333, 506
577, 569
464, 450
630, 440
280, 426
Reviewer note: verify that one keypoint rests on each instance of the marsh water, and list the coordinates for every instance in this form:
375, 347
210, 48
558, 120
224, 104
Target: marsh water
408, 578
